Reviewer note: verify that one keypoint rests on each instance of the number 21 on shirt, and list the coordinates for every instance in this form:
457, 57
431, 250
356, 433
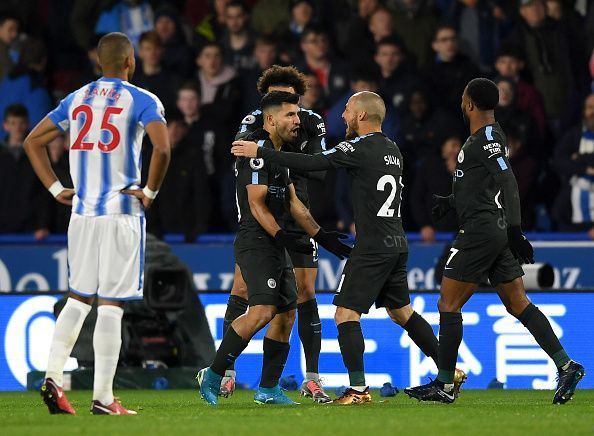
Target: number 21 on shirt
386, 211
86, 112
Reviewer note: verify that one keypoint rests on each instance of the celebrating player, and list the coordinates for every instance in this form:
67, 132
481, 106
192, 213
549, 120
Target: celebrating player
490, 244
310, 139
376, 271
107, 120
263, 192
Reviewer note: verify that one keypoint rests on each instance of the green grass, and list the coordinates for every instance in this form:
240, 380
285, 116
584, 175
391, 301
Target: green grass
182, 412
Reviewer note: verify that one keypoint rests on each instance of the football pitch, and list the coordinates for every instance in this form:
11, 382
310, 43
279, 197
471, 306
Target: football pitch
476, 412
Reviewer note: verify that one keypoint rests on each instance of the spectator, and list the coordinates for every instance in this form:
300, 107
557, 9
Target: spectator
424, 127
211, 139
177, 55
362, 80
450, 70
91, 70
480, 25
271, 17
22, 196
571, 23
509, 63
132, 17
210, 28
589, 27
237, 39
510, 116
525, 169
592, 71
186, 188
312, 98
434, 176
26, 84
151, 75
302, 15
189, 105
219, 86
362, 49
83, 19
357, 27
574, 161
548, 60
331, 72
265, 54
9, 31
396, 80
415, 22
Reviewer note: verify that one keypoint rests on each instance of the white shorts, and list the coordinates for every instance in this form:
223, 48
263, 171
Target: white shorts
106, 256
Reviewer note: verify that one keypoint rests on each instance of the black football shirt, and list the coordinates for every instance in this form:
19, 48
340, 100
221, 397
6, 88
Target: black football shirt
374, 165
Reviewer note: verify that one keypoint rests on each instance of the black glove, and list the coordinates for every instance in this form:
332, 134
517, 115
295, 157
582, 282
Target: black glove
520, 247
442, 206
331, 242
293, 242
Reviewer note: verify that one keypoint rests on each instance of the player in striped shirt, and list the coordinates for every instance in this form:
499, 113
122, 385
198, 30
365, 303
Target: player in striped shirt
107, 120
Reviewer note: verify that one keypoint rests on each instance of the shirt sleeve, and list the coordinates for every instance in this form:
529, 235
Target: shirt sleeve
60, 116
493, 155
341, 156
254, 171
344, 155
317, 142
249, 124
154, 111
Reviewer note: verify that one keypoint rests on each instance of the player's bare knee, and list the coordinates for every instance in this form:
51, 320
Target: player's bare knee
446, 305
261, 315
306, 293
515, 308
239, 290
286, 323
344, 315
401, 315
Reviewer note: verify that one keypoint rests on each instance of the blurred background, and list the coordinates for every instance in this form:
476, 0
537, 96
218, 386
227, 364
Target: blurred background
202, 59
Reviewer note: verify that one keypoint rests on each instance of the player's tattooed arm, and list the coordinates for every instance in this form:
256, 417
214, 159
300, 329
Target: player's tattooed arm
331, 241
257, 201
302, 214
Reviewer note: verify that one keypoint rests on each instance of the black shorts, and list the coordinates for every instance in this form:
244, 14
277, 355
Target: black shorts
268, 274
373, 278
480, 252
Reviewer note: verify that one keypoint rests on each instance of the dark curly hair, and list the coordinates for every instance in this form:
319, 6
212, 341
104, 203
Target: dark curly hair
282, 76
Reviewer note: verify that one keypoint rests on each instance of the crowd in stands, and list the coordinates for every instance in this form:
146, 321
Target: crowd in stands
202, 58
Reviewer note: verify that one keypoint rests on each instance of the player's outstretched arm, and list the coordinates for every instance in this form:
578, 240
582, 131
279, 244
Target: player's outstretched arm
261, 213
157, 132
41, 135
329, 240
297, 161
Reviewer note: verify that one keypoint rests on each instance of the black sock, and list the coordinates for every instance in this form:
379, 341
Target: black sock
310, 333
236, 306
422, 334
231, 347
450, 337
352, 347
275, 357
540, 327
